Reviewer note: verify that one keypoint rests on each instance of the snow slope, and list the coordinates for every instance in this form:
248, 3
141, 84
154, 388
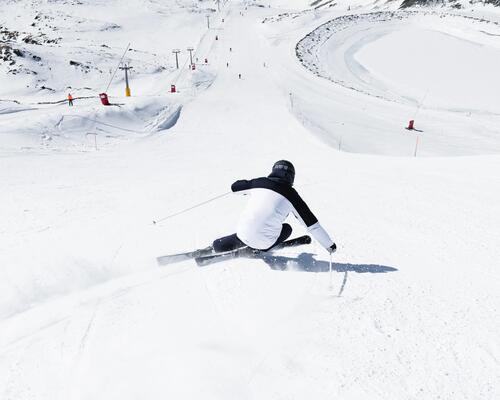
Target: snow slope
441, 72
86, 313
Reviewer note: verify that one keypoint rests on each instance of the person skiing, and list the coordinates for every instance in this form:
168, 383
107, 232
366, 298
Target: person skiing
70, 99
272, 199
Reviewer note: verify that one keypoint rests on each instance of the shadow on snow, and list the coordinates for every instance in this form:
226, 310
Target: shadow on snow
306, 262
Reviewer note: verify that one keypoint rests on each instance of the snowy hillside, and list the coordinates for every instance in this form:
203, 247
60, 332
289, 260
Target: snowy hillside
85, 310
74, 45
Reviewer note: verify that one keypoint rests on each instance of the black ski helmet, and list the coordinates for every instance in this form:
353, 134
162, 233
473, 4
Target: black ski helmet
284, 171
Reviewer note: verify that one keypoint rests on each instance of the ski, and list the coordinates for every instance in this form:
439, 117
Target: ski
248, 251
208, 252
175, 258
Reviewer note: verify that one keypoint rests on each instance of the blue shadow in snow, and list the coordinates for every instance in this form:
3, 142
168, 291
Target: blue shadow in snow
306, 262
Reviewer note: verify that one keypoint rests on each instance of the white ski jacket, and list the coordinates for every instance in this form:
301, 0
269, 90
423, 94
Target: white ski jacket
269, 205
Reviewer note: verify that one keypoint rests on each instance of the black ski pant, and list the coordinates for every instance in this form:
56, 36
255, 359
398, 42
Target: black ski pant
233, 242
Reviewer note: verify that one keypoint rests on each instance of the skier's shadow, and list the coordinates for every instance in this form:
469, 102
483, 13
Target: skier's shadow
306, 262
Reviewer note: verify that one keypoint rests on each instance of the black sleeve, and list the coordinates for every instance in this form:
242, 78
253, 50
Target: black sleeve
302, 209
238, 186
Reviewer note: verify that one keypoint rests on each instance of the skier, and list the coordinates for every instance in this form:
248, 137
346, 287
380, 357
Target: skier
70, 99
271, 201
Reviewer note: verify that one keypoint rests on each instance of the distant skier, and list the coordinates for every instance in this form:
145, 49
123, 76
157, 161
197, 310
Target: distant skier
272, 199
239, 76
70, 99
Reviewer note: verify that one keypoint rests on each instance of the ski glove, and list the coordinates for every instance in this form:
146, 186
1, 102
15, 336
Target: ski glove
332, 248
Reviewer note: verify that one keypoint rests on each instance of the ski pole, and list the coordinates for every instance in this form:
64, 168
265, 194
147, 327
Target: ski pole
190, 208
330, 287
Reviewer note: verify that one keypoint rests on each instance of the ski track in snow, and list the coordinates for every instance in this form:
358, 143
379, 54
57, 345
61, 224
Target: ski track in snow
86, 313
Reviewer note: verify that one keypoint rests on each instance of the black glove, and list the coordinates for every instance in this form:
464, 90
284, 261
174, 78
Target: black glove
332, 248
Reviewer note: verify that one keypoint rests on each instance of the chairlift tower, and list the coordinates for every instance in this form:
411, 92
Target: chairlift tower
126, 68
176, 52
190, 49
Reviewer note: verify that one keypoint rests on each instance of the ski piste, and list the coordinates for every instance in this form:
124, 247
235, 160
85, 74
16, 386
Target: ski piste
248, 251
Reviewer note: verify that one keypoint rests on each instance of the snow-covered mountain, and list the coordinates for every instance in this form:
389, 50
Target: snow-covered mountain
61, 45
411, 308
449, 3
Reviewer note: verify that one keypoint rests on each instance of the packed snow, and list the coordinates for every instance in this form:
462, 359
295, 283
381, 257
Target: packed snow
412, 58
86, 312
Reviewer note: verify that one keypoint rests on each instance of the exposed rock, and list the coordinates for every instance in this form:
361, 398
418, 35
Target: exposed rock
449, 3
85, 68
47, 88
30, 40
